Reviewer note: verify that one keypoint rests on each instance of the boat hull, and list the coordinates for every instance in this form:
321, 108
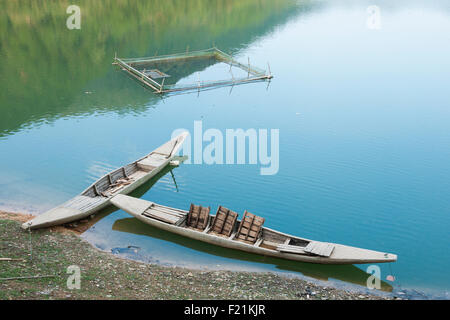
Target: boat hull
341, 255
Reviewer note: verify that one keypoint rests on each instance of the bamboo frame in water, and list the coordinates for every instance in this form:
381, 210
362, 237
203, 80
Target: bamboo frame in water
254, 74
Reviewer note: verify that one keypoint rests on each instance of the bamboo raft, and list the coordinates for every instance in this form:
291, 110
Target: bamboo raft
144, 70
248, 234
120, 181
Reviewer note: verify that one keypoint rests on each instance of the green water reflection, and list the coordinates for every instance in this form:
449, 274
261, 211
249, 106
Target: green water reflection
48, 71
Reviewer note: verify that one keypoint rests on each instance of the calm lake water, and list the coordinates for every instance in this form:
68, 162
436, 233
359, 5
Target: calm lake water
363, 116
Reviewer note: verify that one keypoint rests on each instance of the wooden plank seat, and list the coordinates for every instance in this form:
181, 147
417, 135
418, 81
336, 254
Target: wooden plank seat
164, 214
250, 228
323, 249
198, 217
290, 249
151, 162
224, 221
83, 202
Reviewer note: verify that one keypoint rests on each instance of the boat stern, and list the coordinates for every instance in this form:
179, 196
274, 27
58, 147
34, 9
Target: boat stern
390, 257
55, 216
353, 255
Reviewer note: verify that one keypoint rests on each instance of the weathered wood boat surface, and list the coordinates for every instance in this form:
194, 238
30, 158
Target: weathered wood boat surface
270, 242
119, 181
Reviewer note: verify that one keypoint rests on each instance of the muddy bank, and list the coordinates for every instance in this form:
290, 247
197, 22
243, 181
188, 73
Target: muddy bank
46, 255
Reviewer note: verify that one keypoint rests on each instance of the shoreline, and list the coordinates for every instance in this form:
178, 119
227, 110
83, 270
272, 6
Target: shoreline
108, 276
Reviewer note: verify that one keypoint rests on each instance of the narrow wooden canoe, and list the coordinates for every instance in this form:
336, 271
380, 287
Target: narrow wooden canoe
120, 181
271, 243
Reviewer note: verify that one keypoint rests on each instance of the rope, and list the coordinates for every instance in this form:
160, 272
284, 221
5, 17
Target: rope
31, 245
395, 277
28, 277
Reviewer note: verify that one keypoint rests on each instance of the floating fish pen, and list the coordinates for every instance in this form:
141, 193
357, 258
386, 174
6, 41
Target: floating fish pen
175, 72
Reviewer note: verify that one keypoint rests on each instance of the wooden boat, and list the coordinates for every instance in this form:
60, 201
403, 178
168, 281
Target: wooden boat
120, 181
223, 229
